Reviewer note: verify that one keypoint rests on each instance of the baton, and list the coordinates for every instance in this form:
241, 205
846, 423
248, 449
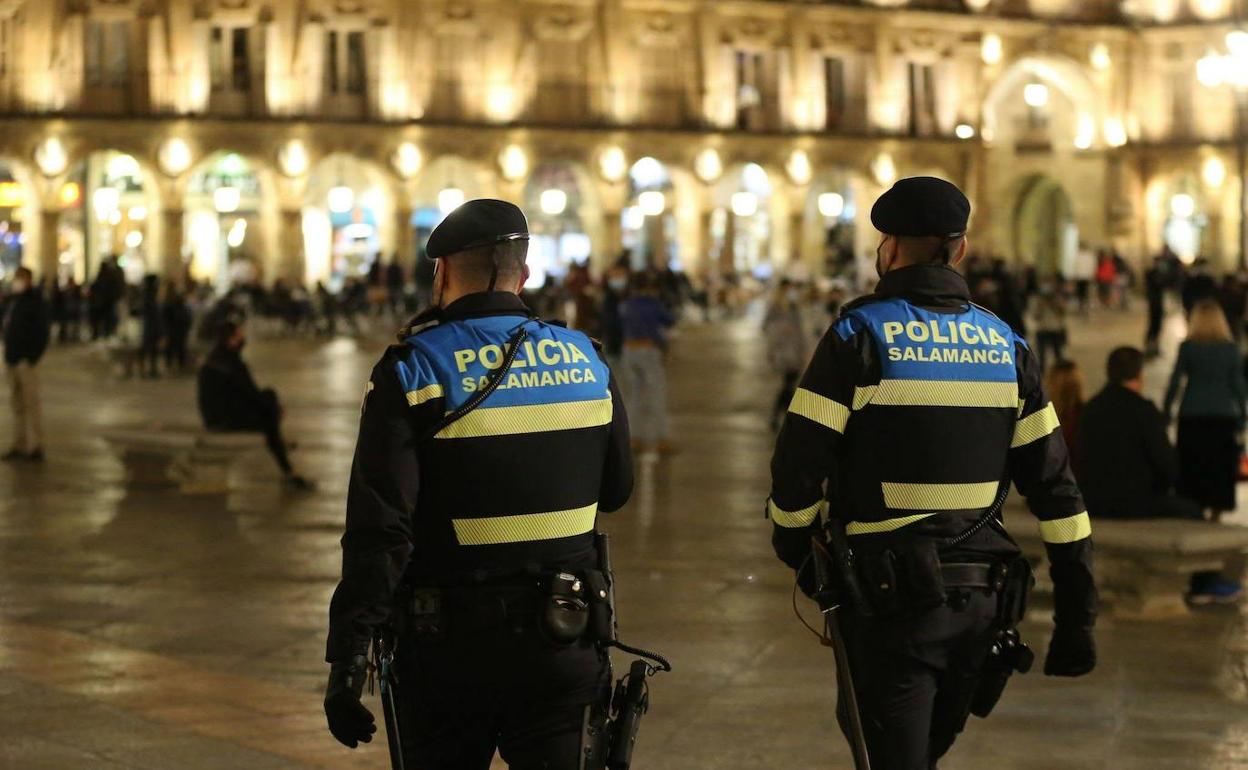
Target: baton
824, 595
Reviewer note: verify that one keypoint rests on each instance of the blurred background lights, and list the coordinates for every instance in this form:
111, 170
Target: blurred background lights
651, 203
553, 202
450, 199
831, 205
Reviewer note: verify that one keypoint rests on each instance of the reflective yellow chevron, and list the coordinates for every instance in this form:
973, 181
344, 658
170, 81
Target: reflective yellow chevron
1067, 530
538, 418
526, 527
821, 409
1035, 426
990, 395
939, 497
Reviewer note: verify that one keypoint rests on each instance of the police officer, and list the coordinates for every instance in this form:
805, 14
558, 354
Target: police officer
457, 531
916, 411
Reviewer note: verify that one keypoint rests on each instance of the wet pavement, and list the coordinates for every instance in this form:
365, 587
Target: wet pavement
141, 631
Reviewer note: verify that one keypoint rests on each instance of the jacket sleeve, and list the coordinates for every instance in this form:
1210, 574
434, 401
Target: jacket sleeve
812, 428
617, 471
381, 501
1040, 466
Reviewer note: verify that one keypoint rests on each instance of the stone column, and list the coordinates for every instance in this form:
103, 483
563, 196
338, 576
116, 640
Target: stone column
612, 239
49, 254
290, 261
404, 239
170, 246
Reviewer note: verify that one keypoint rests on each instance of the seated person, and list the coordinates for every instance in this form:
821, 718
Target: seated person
230, 400
1126, 465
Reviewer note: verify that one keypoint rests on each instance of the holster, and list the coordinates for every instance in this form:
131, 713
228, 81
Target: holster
1008, 652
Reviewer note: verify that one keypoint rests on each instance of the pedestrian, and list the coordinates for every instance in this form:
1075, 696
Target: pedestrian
1156, 281
27, 329
1083, 272
1051, 334
898, 434
1198, 285
178, 319
1128, 469
1209, 370
474, 539
1106, 277
785, 331
645, 321
230, 400
153, 332
1064, 383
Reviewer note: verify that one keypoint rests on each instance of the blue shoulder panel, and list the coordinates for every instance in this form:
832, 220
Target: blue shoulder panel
555, 365
917, 344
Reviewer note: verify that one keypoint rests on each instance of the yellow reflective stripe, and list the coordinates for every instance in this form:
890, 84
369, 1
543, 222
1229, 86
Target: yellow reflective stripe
939, 497
1035, 426
863, 395
418, 397
992, 395
887, 525
525, 527
821, 409
539, 418
1067, 530
794, 519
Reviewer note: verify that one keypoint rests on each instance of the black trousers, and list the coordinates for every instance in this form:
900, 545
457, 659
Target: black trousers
505, 689
266, 420
914, 676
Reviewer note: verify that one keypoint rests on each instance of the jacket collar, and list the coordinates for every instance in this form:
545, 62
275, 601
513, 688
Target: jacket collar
476, 305
925, 285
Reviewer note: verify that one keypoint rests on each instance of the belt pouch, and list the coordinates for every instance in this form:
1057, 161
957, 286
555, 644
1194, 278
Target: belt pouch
565, 612
879, 582
601, 613
426, 616
923, 583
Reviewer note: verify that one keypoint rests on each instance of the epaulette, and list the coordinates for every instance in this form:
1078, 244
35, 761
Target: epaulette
422, 322
854, 304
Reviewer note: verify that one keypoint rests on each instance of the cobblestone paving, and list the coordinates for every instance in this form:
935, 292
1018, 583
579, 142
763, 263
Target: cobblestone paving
140, 631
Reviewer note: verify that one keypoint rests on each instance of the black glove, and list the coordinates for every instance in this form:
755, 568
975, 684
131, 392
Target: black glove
1072, 652
349, 721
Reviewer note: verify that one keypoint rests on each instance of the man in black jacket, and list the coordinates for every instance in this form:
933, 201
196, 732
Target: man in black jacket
1124, 461
230, 400
27, 326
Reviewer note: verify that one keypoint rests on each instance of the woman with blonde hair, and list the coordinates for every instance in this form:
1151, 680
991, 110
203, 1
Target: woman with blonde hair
1064, 383
1209, 370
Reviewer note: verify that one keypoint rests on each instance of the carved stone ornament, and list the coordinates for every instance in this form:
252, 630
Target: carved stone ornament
563, 24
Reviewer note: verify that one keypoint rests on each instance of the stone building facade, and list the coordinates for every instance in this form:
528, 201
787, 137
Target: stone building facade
304, 139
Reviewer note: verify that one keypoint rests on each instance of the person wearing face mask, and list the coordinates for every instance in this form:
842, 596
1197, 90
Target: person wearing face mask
230, 400
489, 442
916, 412
27, 328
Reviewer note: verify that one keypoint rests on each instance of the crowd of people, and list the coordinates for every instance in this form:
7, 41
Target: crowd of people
1121, 448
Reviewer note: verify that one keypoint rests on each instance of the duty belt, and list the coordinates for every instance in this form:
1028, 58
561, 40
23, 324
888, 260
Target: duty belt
969, 575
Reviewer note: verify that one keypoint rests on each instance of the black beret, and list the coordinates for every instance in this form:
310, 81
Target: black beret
480, 222
921, 206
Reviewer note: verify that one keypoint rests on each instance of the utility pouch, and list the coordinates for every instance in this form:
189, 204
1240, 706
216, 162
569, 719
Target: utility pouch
426, 616
1016, 581
848, 587
601, 611
565, 611
922, 582
878, 573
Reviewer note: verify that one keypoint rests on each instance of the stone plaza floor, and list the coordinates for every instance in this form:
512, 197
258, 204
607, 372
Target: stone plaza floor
138, 632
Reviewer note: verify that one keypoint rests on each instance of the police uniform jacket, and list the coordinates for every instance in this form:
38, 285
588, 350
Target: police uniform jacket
512, 487
915, 408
